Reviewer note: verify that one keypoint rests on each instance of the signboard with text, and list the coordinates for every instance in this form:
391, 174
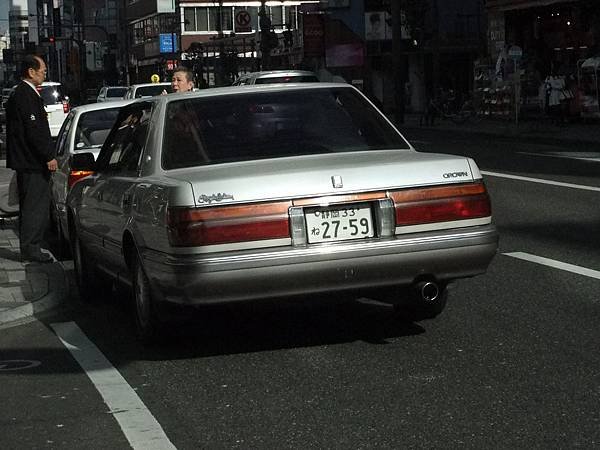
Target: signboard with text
167, 42
313, 34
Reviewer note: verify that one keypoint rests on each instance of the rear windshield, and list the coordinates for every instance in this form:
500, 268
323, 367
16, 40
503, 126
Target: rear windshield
258, 125
149, 91
93, 128
287, 79
51, 94
116, 92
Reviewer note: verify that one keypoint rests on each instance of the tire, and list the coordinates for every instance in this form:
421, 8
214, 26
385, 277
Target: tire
145, 310
416, 310
86, 277
62, 250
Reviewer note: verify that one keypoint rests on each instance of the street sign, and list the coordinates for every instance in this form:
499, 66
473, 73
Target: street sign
154, 78
167, 43
515, 52
243, 21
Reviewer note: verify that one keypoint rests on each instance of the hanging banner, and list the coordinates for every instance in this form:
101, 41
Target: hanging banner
313, 34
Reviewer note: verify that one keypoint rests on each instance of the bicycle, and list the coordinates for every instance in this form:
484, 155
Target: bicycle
445, 107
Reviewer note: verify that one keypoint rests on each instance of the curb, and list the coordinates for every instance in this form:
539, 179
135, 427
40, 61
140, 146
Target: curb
57, 290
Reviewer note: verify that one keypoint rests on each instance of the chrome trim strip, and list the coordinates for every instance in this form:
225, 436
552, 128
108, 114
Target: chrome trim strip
338, 248
443, 225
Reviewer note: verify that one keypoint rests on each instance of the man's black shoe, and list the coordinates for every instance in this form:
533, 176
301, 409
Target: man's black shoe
39, 258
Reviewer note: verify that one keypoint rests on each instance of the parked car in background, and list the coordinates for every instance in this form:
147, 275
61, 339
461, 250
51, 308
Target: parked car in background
111, 93
56, 103
276, 76
147, 90
84, 130
237, 194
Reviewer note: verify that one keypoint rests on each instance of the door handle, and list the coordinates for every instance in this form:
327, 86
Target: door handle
126, 200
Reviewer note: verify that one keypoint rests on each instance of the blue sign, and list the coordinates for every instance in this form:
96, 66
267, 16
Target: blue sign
168, 43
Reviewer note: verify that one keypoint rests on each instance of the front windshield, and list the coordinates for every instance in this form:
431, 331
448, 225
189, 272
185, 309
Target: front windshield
93, 128
269, 124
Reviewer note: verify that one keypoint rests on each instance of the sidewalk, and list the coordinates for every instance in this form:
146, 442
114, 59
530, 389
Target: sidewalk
26, 290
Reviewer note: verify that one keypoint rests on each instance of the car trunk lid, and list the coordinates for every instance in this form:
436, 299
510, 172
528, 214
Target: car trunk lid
316, 175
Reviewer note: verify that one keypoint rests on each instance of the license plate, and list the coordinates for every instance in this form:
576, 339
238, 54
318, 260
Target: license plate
339, 223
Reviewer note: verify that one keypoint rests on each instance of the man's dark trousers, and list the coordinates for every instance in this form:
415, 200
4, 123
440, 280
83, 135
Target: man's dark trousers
34, 208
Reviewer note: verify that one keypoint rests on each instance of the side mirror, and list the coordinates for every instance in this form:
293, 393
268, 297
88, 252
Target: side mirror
83, 161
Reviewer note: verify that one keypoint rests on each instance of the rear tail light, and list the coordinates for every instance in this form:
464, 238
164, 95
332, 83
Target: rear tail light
228, 224
76, 175
441, 204
66, 106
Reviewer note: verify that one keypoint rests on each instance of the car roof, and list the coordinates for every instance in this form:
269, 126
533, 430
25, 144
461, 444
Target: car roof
267, 73
99, 106
230, 90
149, 84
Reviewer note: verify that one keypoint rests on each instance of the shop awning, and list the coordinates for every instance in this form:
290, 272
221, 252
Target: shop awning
508, 5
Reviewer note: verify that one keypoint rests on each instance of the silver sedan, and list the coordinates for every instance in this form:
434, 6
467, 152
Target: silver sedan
245, 193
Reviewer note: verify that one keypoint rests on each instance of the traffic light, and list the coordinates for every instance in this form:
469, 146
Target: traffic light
47, 40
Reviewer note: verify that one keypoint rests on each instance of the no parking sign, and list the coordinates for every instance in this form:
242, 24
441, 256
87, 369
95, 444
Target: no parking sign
243, 21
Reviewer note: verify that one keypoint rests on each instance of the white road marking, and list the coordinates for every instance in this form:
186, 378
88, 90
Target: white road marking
556, 264
139, 426
581, 156
541, 181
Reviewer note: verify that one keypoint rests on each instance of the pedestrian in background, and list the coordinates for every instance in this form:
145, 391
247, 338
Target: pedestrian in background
31, 154
182, 80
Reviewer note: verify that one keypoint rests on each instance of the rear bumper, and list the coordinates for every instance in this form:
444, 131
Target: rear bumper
264, 273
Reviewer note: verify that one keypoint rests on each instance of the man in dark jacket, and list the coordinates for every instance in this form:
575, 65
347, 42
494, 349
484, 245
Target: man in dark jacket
30, 152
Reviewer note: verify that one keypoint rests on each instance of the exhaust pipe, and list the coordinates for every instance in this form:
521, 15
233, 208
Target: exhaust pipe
427, 291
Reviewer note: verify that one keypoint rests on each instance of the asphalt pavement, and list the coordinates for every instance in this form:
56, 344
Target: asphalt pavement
29, 290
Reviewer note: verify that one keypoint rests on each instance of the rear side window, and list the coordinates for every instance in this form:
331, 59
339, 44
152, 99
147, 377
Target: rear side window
260, 125
51, 95
116, 92
126, 141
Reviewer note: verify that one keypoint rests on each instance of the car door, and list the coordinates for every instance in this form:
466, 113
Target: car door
117, 174
61, 175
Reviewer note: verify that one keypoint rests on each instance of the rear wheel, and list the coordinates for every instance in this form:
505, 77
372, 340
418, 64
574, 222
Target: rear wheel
146, 317
62, 250
87, 279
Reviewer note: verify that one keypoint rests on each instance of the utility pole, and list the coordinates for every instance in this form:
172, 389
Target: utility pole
265, 37
398, 60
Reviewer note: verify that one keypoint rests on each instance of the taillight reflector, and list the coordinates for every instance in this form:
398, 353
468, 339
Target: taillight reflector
76, 175
441, 204
66, 106
228, 224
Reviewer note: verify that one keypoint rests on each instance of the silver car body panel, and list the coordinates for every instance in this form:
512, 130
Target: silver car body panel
201, 279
